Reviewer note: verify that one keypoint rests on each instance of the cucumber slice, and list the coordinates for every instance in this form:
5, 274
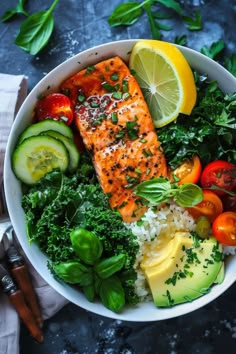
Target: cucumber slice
70, 146
44, 125
38, 155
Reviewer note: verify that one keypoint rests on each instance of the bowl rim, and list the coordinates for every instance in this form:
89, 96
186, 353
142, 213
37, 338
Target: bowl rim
142, 312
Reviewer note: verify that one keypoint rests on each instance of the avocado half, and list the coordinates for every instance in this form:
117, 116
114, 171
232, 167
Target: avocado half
187, 272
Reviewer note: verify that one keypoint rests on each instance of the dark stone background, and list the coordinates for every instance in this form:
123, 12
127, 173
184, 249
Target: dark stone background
80, 24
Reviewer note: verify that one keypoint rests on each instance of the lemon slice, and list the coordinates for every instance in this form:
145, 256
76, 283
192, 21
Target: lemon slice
165, 78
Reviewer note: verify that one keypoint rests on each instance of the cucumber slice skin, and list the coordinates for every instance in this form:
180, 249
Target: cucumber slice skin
44, 125
70, 146
38, 155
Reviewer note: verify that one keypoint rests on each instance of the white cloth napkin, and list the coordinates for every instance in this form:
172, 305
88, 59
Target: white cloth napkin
13, 90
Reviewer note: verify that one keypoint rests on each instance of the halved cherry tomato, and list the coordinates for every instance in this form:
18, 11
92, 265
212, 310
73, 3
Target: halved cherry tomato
55, 106
189, 171
211, 206
224, 228
221, 174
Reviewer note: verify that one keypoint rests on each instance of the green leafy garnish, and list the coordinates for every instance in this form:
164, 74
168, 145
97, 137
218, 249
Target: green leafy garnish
19, 9
210, 130
181, 40
159, 190
36, 31
129, 13
214, 50
230, 64
194, 24
58, 204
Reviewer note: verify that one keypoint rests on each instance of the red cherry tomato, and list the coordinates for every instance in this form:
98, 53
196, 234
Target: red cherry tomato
224, 228
55, 106
211, 206
189, 171
221, 174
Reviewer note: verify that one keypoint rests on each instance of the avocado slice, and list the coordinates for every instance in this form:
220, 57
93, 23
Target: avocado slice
187, 272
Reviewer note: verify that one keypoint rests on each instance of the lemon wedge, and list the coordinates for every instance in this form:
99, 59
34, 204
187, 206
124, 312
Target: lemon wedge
165, 78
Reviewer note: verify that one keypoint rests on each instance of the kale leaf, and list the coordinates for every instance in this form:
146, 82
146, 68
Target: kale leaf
57, 204
210, 131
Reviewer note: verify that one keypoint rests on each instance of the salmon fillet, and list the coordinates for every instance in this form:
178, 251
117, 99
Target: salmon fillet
116, 127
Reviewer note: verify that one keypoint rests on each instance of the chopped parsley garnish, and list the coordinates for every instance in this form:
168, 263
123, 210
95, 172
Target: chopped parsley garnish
90, 69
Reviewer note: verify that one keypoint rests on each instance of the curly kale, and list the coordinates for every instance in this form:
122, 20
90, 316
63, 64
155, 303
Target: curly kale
210, 131
58, 204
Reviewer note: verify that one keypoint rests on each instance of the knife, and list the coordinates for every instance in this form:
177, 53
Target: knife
22, 278
16, 298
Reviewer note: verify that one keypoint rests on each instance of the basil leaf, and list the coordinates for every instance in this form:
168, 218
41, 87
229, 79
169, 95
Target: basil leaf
156, 190
188, 195
36, 30
109, 266
19, 9
126, 14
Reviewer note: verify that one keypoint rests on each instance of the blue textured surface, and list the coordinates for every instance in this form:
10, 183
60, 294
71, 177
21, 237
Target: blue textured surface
80, 25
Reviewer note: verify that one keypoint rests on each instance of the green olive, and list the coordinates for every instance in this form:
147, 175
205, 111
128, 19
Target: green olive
203, 227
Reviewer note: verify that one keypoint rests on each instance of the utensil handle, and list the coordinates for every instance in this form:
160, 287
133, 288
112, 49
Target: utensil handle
23, 281
17, 300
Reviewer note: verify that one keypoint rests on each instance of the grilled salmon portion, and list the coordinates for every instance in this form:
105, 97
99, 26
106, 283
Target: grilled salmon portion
107, 98
115, 124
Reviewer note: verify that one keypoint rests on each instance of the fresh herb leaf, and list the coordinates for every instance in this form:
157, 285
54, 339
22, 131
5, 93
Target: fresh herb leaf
172, 4
214, 50
126, 14
159, 190
19, 9
230, 64
210, 130
181, 40
194, 24
36, 31
129, 13
154, 25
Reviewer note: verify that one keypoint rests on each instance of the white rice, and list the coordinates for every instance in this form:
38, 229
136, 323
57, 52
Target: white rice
157, 223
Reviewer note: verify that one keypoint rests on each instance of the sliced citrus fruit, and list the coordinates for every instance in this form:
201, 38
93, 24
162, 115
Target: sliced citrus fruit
165, 78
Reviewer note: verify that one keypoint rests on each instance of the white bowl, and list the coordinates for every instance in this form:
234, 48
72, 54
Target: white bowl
144, 311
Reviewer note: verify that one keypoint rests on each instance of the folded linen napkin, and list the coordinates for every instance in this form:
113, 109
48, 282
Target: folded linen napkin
13, 90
